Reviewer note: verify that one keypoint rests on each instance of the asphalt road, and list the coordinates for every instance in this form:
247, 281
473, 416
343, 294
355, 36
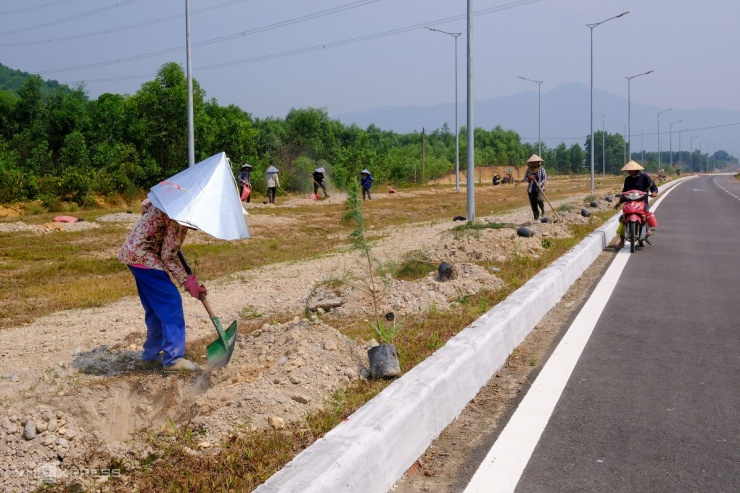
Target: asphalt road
653, 403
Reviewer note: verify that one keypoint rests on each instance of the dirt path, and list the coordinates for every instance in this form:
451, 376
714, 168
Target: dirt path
72, 381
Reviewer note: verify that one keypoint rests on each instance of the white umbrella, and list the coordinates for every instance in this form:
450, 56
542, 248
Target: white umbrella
204, 197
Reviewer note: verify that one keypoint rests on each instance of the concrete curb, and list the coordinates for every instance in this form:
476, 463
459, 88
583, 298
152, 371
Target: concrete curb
372, 450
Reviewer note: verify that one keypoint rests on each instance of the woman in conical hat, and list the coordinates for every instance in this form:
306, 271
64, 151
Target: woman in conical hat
318, 182
536, 178
244, 181
635, 180
273, 182
366, 181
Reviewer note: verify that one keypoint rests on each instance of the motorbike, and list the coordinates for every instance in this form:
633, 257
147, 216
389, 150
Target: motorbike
636, 219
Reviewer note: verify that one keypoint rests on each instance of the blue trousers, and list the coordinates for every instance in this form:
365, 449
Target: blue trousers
163, 314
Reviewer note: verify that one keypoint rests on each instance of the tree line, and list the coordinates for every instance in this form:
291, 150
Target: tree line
58, 145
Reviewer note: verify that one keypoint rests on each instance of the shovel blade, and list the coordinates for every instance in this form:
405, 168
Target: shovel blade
219, 351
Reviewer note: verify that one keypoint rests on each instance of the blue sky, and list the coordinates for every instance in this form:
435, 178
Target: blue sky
268, 56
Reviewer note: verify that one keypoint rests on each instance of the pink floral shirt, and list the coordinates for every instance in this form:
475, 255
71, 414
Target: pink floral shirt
154, 242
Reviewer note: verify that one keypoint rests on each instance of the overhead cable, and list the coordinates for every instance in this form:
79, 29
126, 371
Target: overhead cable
518, 3
71, 18
27, 9
176, 49
123, 28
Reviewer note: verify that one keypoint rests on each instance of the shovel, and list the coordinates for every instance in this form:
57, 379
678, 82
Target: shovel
317, 192
548, 202
219, 351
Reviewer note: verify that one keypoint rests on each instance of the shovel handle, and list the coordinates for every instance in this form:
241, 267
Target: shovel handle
548, 202
214, 318
189, 271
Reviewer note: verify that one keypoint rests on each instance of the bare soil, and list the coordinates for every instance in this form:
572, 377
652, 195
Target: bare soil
73, 382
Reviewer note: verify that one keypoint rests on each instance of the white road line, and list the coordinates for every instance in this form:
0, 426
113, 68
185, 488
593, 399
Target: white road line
504, 464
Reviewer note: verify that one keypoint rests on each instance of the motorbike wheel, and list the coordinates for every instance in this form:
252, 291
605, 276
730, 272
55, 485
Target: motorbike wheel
632, 236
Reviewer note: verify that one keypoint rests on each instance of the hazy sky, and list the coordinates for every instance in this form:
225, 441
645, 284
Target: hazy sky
268, 56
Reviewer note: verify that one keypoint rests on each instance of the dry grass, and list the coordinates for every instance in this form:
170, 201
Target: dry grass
250, 457
59, 271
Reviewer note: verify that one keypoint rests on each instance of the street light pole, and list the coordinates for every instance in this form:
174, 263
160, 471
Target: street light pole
471, 128
591, 27
691, 153
700, 154
457, 132
189, 69
679, 143
539, 111
624, 142
629, 116
670, 142
659, 158
603, 145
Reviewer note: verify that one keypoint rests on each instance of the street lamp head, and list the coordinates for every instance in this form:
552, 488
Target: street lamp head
592, 26
441, 31
629, 78
531, 80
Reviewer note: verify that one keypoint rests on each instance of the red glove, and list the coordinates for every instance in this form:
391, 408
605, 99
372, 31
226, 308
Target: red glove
531, 177
195, 289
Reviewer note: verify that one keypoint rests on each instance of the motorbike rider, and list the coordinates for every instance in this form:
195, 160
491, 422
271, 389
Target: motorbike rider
635, 180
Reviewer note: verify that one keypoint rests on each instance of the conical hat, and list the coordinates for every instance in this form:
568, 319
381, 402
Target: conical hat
272, 169
534, 158
632, 166
247, 166
204, 197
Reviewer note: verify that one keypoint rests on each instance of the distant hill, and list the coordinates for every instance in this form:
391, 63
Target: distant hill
11, 80
565, 118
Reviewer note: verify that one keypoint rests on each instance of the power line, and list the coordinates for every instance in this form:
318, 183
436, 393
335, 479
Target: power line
27, 9
123, 28
654, 133
72, 18
518, 3
276, 25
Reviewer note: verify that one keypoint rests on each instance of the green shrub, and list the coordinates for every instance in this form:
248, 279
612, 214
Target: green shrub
415, 265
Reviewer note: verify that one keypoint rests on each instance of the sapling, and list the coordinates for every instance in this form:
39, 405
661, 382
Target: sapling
386, 330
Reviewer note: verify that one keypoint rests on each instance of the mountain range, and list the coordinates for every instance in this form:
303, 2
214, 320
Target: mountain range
565, 118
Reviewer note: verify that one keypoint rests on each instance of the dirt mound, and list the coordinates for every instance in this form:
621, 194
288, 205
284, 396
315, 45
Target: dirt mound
81, 369
49, 227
